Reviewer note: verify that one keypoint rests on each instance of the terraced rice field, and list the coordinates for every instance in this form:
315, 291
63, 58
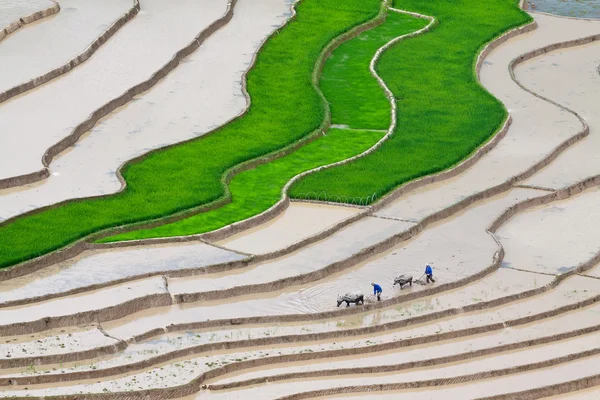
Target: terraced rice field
150, 249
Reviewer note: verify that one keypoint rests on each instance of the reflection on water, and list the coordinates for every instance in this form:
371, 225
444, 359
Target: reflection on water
568, 8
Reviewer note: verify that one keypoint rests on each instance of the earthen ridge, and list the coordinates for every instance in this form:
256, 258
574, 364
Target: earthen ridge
165, 299
117, 102
454, 380
67, 67
365, 254
79, 246
28, 19
554, 389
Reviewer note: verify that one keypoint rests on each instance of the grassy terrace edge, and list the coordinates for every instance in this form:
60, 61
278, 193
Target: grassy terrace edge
426, 87
348, 84
272, 127
439, 97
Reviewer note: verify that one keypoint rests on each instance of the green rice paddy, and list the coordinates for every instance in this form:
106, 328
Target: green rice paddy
285, 108
255, 190
348, 85
443, 116
443, 113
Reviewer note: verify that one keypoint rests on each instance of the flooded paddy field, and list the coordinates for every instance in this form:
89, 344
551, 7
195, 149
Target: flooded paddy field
253, 313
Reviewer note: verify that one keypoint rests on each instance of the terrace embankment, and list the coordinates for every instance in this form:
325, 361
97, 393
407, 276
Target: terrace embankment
17, 13
555, 302
295, 281
169, 113
461, 186
579, 84
141, 325
96, 88
36, 56
537, 331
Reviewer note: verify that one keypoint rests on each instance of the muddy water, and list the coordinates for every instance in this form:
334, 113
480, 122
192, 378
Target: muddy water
565, 294
51, 44
457, 248
182, 372
202, 93
84, 302
568, 8
298, 221
503, 283
538, 127
489, 387
118, 65
553, 326
554, 238
57, 343
12, 10
523, 357
337, 247
570, 77
498, 285
97, 267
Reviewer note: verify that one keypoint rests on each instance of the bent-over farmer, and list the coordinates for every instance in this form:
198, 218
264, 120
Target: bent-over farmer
377, 291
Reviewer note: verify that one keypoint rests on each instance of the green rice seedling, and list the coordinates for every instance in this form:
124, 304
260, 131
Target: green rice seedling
444, 114
356, 100
285, 108
255, 190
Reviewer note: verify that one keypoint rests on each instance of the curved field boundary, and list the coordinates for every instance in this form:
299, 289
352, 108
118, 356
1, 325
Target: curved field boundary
552, 390
333, 335
289, 358
79, 245
70, 65
282, 205
196, 382
438, 216
72, 251
283, 202
457, 357
165, 299
71, 139
194, 386
28, 19
454, 380
513, 397
230, 173
279, 207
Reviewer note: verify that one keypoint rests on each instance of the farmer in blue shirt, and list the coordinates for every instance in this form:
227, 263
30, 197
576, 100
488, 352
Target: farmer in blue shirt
377, 291
429, 273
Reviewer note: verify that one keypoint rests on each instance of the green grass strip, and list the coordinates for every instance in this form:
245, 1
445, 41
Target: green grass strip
285, 108
444, 114
255, 190
349, 86
355, 98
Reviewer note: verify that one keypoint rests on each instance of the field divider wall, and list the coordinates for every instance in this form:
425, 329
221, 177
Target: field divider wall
361, 256
73, 249
195, 384
79, 247
447, 381
85, 126
65, 68
165, 300
28, 19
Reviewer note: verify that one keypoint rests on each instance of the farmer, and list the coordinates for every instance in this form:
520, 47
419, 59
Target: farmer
429, 273
377, 291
